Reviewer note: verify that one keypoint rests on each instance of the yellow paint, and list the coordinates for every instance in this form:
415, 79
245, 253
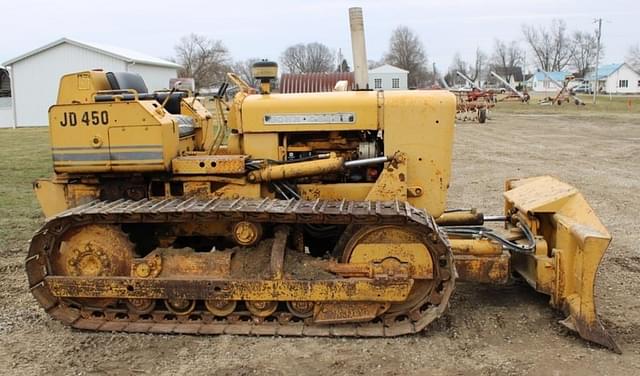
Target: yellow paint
475, 247
347, 191
256, 107
421, 125
392, 182
259, 290
296, 170
51, 196
417, 123
80, 87
209, 164
566, 264
414, 254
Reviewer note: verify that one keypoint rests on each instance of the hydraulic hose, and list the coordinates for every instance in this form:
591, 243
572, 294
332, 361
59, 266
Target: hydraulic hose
470, 231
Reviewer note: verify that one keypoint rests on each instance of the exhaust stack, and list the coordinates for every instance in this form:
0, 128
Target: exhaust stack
360, 69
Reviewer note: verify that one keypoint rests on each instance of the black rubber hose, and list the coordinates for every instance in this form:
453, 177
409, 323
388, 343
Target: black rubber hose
490, 234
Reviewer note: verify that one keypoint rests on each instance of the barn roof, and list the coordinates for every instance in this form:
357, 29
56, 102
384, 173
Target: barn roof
115, 52
558, 76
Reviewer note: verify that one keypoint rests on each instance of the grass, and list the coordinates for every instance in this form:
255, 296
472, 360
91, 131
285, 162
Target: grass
605, 105
24, 156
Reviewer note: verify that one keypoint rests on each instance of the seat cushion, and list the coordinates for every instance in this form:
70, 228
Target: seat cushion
126, 81
173, 104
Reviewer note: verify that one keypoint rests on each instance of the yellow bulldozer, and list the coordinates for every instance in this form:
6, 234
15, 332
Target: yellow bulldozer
318, 214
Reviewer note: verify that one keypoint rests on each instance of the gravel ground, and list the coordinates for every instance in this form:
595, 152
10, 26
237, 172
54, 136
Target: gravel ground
487, 330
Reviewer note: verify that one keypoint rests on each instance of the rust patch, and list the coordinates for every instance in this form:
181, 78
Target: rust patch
483, 269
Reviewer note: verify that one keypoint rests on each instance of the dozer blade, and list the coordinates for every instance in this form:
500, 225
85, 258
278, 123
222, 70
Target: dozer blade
571, 241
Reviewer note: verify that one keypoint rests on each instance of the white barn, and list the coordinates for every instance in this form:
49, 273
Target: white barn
615, 79
35, 75
388, 77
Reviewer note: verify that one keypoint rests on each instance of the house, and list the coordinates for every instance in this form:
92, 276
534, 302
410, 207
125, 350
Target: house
35, 75
539, 82
615, 79
388, 77
513, 75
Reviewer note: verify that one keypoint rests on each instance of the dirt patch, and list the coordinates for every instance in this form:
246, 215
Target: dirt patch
507, 330
631, 264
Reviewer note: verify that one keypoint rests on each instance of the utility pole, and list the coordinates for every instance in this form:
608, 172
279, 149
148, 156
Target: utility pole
435, 74
595, 86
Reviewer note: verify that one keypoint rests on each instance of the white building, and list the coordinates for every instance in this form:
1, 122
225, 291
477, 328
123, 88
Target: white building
388, 77
35, 75
615, 79
540, 82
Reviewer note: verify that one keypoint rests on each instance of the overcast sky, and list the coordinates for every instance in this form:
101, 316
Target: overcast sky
264, 29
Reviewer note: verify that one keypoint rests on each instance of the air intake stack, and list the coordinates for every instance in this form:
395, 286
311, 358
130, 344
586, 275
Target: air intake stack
356, 22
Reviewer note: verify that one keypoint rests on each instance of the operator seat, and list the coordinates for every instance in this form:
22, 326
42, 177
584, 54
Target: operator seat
133, 81
127, 80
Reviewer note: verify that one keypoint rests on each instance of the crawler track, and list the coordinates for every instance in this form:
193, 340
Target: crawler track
201, 321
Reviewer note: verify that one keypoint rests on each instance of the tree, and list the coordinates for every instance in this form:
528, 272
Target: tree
205, 60
243, 70
308, 58
551, 46
474, 71
506, 56
343, 66
584, 49
371, 64
406, 51
450, 78
457, 65
479, 66
633, 57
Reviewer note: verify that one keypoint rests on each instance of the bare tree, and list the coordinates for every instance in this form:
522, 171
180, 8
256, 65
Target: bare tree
550, 46
406, 51
480, 66
633, 57
243, 70
506, 56
308, 58
371, 64
584, 49
457, 65
450, 78
205, 60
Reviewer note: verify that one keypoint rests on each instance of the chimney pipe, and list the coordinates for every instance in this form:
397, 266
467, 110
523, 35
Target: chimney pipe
360, 69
